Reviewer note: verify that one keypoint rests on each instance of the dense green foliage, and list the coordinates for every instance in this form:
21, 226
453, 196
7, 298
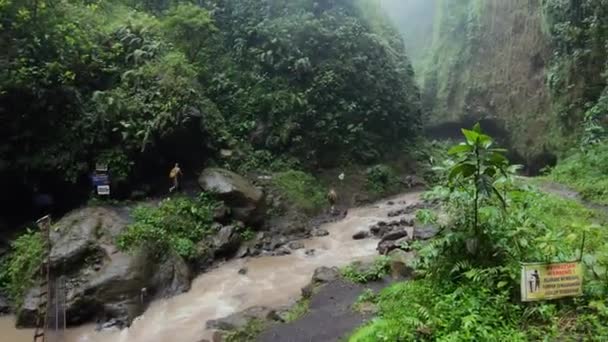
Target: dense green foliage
578, 72
358, 272
302, 190
381, 179
469, 279
175, 225
140, 84
585, 171
20, 268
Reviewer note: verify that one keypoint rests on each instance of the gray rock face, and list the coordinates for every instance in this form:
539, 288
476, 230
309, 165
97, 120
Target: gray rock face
102, 282
227, 240
245, 200
240, 319
425, 232
325, 274
74, 237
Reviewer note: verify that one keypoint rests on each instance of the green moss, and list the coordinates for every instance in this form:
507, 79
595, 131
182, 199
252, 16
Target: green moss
301, 189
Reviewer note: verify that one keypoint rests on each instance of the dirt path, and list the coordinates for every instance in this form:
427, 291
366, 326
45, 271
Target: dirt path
564, 191
330, 316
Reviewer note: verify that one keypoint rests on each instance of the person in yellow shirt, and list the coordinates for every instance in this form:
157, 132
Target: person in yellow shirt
175, 174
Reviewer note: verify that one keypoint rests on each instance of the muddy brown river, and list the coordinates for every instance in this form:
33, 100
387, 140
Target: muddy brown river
270, 281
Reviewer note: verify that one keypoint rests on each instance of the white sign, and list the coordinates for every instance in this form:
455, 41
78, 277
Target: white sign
103, 190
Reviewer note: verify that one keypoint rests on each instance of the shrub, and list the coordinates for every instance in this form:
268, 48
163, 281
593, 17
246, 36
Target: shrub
177, 224
302, 189
19, 269
585, 171
380, 179
358, 274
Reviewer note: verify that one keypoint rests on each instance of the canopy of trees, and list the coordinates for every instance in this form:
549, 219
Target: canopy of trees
141, 83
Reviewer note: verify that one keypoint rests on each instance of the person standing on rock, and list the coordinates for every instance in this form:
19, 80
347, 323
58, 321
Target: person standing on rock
332, 197
175, 174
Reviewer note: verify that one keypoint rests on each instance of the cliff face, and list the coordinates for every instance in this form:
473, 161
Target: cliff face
533, 69
487, 62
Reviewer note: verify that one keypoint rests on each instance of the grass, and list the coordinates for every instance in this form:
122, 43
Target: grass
479, 304
298, 310
301, 189
585, 172
247, 334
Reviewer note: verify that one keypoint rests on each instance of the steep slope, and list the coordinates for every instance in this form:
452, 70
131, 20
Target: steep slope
488, 62
533, 69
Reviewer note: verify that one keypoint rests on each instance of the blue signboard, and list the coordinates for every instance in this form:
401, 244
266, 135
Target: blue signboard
100, 179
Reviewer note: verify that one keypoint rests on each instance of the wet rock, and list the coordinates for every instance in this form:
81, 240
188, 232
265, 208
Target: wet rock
295, 245
310, 252
282, 251
385, 246
390, 203
359, 199
242, 252
414, 207
172, 277
360, 235
395, 213
412, 181
320, 232
243, 271
221, 212
325, 274
74, 237
425, 232
278, 241
394, 235
111, 325
241, 319
245, 200
227, 240
407, 221
399, 263
27, 313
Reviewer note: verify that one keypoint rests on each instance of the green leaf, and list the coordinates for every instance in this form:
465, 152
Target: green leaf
477, 128
471, 136
462, 169
460, 149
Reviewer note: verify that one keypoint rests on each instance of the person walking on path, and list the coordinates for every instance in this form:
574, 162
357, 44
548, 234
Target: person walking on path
175, 174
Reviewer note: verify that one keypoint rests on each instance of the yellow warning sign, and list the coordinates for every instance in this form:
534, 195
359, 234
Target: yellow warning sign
540, 281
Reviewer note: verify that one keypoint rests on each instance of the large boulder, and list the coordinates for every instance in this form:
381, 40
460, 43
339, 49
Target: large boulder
102, 282
76, 236
227, 240
245, 200
425, 231
399, 262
